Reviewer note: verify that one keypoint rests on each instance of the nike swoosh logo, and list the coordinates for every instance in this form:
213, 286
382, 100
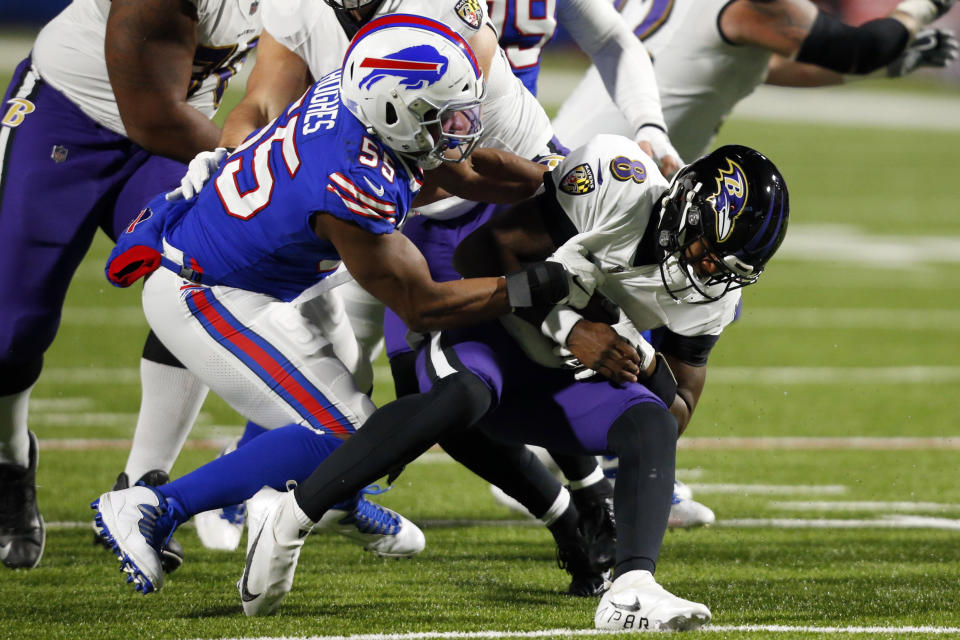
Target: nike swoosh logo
378, 189
628, 607
245, 594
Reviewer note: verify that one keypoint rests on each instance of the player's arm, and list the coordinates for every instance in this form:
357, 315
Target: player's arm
391, 268
798, 31
487, 175
149, 51
279, 77
626, 70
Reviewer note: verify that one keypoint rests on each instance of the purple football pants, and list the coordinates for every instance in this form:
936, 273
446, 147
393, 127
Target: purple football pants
532, 404
437, 241
63, 176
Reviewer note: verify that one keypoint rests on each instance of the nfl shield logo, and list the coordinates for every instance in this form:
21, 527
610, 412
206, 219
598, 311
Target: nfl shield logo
253, 7
578, 180
470, 12
59, 153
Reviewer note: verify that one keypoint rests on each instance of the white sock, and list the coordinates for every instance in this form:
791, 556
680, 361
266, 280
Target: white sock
14, 441
170, 400
557, 508
594, 477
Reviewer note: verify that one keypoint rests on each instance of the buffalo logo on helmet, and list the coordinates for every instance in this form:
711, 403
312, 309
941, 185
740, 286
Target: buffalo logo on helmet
417, 67
578, 181
730, 198
470, 12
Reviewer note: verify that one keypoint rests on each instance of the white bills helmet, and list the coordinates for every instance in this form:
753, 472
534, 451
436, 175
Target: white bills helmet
416, 84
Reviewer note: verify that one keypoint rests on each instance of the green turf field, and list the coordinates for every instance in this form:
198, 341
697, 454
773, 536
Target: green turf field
851, 526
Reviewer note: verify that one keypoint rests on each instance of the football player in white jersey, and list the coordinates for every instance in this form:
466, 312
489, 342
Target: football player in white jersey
673, 258
113, 98
710, 54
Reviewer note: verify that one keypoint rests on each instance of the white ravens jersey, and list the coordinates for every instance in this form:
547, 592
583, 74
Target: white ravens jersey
68, 54
610, 190
512, 118
701, 76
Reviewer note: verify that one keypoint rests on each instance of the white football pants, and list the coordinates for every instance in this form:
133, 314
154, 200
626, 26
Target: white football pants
274, 362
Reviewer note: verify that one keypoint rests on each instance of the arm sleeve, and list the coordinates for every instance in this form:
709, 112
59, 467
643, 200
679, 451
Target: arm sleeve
621, 59
839, 47
693, 350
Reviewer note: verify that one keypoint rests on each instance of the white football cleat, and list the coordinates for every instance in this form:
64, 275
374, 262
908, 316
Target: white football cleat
682, 490
635, 602
221, 529
136, 525
273, 555
686, 514
382, 531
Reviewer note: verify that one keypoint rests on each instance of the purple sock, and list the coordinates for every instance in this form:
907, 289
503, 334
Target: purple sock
274, 458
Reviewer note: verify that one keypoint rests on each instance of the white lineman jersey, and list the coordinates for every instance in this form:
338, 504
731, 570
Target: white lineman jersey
610, 189
68, 54
513, 120
274, 362
701, 76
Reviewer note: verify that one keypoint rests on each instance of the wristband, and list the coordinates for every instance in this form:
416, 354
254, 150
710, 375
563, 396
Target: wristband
923, 11
559, 323
540, 283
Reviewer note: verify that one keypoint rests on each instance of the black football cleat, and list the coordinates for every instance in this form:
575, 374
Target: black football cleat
171, 555
22, 534
598, 527
585, 581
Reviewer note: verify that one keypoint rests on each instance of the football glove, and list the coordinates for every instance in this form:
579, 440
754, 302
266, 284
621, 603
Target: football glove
666, 157
930, 48
583, 276
199, 171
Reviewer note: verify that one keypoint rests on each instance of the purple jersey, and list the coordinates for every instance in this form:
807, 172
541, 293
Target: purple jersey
251, 225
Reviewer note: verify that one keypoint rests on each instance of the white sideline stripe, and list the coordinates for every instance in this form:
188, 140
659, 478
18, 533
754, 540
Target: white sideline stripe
801, 505
724, 375
889, 522
816, 443
769, 489
576, 633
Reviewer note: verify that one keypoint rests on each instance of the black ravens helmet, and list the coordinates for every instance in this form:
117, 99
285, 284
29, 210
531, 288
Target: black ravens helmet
733, 200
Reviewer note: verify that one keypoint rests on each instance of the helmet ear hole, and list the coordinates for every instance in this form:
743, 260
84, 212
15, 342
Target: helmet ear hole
391, 115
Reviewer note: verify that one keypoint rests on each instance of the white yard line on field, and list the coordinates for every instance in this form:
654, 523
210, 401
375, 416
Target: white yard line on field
583, 633
843, 443
809, 505
888, 522
768, 489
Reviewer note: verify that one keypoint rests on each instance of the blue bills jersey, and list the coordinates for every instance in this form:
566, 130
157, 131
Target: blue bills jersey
525, 27
251, 226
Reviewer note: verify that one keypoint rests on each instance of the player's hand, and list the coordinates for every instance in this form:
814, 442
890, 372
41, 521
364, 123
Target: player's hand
931, 47
583, 275
656, 144
204, 165
601, 349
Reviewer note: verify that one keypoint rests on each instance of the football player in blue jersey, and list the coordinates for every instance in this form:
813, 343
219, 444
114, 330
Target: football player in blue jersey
329, 179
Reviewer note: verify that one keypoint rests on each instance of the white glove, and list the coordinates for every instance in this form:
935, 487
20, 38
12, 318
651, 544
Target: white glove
666, 157
930, 48
204, 165
582, 275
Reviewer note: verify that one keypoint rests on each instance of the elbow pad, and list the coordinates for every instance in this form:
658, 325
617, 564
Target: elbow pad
839, 47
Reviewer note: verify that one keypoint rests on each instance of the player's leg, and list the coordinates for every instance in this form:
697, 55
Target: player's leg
644, 437
56, 165
461, 382
269, 364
